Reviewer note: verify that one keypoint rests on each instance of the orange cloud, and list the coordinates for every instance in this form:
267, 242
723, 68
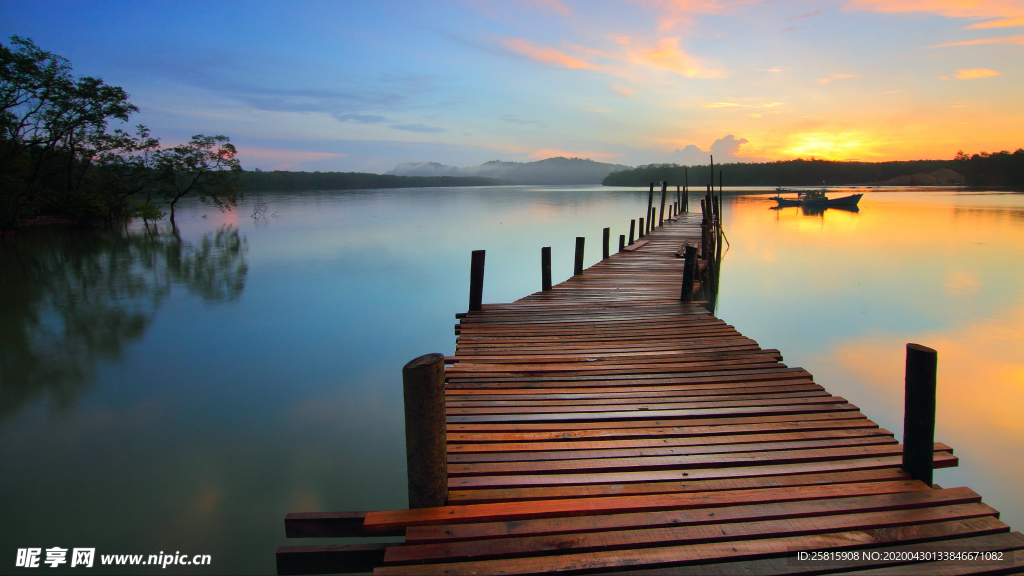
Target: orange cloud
1000, 23
1002, 9
999, 40
546, 55
623, 90
974, 73
665, 55
676, 12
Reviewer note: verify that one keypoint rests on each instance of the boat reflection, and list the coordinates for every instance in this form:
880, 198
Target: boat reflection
818, 210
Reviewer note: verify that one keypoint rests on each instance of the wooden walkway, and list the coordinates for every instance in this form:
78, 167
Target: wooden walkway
605, 426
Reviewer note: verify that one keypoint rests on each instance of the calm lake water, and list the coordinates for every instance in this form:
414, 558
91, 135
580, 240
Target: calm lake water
165, 395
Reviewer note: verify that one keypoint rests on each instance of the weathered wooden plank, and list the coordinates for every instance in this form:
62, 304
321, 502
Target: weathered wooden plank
397, 519
693, 534
942, 460
707, 552
480, 496
859, 500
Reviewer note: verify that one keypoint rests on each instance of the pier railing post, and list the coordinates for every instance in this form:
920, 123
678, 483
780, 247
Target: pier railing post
919, 412
577, 268
632, 228
661, 213
650, 205
426, 440
641, 229
689, 266
606, 241
476, 281
545, 268
622, 242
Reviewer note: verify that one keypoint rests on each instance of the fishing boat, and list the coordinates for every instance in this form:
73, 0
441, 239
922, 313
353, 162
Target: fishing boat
814, 197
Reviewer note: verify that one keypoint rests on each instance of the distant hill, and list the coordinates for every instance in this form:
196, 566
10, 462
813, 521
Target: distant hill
551, 171
282, 180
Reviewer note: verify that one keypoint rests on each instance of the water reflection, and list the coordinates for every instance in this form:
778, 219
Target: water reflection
812, 210
841, 294
66, 305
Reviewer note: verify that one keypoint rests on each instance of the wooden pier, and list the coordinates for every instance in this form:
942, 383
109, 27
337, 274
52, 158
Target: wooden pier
605, 425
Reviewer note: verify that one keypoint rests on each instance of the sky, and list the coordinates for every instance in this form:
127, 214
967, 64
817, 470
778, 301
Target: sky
363, 86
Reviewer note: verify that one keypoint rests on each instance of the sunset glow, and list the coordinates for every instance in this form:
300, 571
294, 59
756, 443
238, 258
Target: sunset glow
366, 86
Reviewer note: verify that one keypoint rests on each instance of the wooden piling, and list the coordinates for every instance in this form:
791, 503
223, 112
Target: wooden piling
476, 281
606, 240
654, 214
689, 266
661, 213
650, 206
641, 230
919, 412
622, 242
686, 201
578, 266
632, 228
426, 441
545, 268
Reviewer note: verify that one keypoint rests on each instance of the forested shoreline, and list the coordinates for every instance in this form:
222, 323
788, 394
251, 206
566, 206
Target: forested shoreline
59, 159
998, 169
281, 180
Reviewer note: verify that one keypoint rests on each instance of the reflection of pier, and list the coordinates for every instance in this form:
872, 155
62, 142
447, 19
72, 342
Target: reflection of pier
609, 425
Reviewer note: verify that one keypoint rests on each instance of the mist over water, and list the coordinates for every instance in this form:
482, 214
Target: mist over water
183, 394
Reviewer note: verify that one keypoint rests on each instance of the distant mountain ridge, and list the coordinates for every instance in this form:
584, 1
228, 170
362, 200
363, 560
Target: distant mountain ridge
559, 170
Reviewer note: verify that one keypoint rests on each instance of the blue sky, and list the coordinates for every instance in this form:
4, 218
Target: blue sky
364, 86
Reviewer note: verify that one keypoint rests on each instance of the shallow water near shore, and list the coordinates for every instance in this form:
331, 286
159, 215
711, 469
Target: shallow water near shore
182, 394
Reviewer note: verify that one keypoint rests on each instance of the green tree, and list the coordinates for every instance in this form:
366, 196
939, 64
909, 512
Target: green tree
52, 128
206, 167
126, 168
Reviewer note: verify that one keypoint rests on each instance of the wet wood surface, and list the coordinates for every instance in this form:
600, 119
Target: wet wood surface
606, 426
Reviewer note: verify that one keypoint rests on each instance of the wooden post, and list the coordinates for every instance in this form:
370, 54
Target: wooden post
719, 209
919, 412
641, 229
606, 240
686, 201
689, 264
661, 213
476, 281
622, 242
545, 268
679, 197
632, 228
650, 204
426, 441
654, 214
577, 268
